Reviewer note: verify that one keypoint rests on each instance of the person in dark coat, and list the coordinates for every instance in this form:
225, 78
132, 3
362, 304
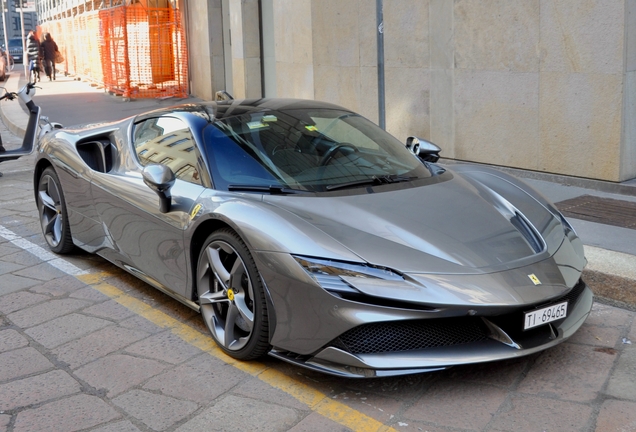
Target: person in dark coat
33, 55
49, 48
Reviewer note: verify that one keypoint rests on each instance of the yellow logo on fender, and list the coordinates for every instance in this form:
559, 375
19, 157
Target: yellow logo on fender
195, 210
230, 294
535, 280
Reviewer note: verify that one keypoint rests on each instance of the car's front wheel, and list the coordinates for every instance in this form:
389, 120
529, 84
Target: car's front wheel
232, 297
52, 212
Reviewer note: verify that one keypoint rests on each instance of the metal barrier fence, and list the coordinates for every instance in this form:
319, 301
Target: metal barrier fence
135, 51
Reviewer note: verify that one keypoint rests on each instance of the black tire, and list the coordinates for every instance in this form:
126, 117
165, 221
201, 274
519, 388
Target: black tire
52, 213
232, 297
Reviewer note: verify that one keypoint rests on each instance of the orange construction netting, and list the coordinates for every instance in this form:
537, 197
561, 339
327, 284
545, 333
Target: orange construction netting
134, 51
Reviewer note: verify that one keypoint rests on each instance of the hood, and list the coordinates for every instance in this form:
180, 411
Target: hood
455, 226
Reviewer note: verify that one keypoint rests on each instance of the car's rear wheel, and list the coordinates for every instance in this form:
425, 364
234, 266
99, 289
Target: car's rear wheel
52, 212
232, 297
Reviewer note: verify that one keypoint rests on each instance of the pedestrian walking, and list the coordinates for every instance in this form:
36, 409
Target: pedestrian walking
49, 49
34, 52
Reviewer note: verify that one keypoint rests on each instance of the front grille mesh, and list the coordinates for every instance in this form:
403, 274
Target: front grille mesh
572, 296
410, 335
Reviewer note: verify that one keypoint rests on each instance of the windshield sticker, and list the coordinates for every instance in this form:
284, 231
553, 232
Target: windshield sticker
269, 118
256, 125
311, 128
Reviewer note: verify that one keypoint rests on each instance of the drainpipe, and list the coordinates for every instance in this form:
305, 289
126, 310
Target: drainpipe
261, 50
381, 102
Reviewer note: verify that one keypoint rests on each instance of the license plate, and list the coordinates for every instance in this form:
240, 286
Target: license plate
545, 315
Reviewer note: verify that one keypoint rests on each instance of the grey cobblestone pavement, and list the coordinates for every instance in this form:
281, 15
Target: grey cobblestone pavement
85, 346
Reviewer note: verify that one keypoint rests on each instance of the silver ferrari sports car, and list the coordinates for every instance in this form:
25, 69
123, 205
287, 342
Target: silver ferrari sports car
302, 230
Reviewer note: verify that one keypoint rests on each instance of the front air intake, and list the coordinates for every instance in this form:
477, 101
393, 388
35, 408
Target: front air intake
411, 335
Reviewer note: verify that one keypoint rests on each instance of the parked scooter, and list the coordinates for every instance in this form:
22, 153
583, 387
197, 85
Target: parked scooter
31, 135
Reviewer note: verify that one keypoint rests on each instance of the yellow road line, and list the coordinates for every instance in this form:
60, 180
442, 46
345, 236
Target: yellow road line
315, 400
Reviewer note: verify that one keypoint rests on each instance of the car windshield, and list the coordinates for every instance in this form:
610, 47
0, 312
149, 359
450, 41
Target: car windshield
312, 150
15, 43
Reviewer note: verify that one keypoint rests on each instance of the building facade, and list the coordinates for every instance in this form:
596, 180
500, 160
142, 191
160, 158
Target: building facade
13, 22
544, 85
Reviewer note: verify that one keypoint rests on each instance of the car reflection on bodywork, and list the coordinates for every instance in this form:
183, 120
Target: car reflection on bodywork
301, 230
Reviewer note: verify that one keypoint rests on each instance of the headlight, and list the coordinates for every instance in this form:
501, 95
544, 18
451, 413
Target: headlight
329, 274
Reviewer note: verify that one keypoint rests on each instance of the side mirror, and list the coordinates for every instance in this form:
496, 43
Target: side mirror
426, 150
160, 179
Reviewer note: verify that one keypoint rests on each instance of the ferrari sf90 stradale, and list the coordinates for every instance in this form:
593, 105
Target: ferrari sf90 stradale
302, 230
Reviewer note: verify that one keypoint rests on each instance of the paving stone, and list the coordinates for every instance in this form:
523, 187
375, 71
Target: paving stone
89, 293
11, 339
42, 272
118, 373
622, 383
111, 310
37, 389
505, 374
19, 300
140, 323
12, 283
316, 422
96, 345
164, 346
439, 404
7, 248
23, 258
407, 387
122, 426
201, 379
251, 414
617, 416
530, 413
177, 310
41, 313
156, 411
255, 388
7, 267
608, 316
60, 286
569, 371
64, 329
68, 415
415, 426
379, 407
599, 336
4, 421
22, 362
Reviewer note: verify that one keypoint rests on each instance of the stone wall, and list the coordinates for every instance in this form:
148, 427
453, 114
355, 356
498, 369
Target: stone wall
545, 85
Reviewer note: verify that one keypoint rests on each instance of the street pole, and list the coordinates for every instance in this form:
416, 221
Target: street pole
380, 28
6, 37
24, 53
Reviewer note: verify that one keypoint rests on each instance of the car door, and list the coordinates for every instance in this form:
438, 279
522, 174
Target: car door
147, 242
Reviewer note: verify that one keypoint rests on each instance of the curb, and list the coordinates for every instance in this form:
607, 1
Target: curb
611, 276
625, 188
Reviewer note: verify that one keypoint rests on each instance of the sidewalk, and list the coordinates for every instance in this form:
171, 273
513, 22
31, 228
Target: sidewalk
610, 250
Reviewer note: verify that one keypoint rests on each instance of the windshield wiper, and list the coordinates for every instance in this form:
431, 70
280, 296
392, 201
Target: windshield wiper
272, 189
374, 181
